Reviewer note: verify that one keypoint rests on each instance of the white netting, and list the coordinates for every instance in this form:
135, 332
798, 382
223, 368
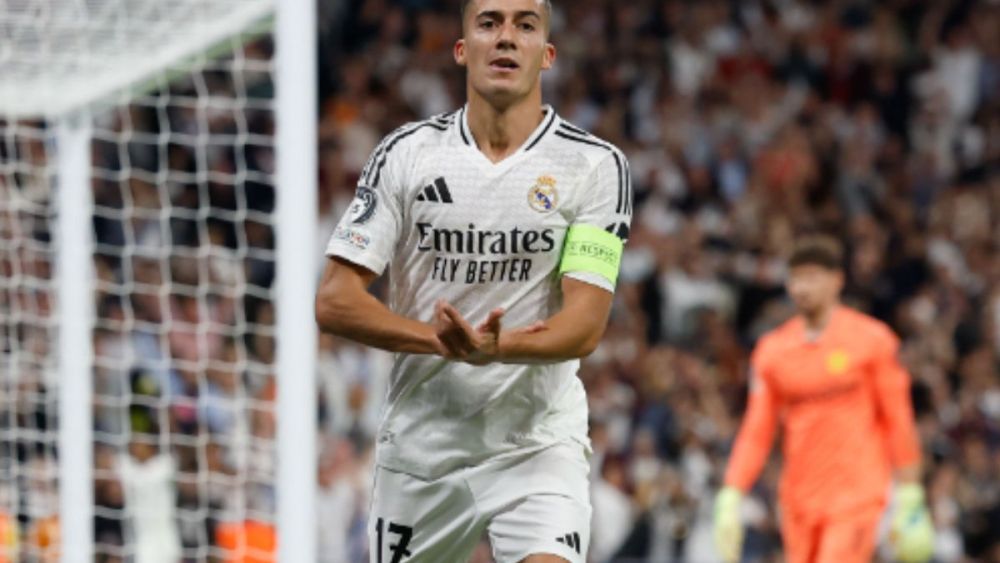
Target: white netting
181, 100
57, 55
28, 329
184, 344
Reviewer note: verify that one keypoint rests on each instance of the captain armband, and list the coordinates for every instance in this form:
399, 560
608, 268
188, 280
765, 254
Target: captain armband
590, 249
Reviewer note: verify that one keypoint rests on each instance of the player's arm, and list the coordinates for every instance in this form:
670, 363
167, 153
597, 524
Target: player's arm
756, 434
361, 247
892, 395
750, 451
573, 332
344, 307
912, 532
588, 269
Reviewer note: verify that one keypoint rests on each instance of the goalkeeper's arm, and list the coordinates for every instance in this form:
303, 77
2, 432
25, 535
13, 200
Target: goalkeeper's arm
753, 444
912, 533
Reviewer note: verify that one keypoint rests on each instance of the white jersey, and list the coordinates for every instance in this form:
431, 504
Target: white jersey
450, 224
150, 498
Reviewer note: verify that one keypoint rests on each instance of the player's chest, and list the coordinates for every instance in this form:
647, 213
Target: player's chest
811, 371
464, 225
528, 194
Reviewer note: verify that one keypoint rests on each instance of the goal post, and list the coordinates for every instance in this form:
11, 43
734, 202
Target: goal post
74, 271
298, 223
171, 148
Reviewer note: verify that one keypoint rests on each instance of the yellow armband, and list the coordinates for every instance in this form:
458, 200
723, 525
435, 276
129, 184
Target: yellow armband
590, 249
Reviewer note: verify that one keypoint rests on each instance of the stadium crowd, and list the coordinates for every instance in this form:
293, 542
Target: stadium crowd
746, 123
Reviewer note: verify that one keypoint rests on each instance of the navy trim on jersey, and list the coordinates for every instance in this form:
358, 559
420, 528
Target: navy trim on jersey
385, 156
551, 119
628, 187
629, 195
444, 120
464, 138
462, 125
624, 204
576, 130
377, 153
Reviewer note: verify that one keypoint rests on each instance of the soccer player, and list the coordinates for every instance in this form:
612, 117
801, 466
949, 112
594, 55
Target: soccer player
497, 215
831, 378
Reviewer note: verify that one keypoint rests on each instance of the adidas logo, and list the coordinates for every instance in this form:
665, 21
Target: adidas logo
620, 230
437, 192
571, 540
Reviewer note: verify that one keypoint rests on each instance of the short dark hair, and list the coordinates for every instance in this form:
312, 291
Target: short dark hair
547, 4
817, 250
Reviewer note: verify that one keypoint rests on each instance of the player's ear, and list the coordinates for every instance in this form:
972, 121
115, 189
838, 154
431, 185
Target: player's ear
836, 282
548, 56
459, 52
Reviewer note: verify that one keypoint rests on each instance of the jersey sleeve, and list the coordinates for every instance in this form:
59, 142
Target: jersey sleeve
369, 230
756, 435
606, 205
892, 395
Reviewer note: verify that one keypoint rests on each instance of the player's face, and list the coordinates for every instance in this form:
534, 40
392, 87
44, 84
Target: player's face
505, 48
814, 288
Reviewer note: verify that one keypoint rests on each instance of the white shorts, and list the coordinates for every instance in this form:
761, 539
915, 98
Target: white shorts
528, 504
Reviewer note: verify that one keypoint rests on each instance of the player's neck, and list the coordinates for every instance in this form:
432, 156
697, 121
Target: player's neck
817, 321
500, 132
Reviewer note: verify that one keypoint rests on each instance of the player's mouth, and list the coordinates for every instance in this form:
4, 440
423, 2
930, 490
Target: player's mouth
504, 65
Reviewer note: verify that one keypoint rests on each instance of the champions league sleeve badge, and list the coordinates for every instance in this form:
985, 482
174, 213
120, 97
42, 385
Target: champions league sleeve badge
363, 206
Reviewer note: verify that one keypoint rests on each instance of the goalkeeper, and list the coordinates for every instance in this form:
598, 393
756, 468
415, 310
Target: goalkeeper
831, 377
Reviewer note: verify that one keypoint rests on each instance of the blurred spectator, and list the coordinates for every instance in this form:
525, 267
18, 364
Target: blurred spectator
344, 495
147, 477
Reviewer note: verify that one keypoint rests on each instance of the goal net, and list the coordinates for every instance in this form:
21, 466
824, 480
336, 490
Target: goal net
28, 328
179, 100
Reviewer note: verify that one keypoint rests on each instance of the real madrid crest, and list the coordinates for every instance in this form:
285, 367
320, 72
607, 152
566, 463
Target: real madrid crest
543, 197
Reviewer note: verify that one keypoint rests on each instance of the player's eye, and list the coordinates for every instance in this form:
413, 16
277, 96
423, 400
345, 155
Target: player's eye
528, 27
487, 24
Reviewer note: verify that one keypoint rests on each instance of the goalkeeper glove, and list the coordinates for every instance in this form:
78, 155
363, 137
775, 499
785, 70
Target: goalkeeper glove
728, 527
912, 534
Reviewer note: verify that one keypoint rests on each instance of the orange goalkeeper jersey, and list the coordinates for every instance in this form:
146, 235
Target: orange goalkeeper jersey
843, 401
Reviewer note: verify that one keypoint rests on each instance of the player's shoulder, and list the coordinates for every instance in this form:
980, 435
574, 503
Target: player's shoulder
593, 148
402, 144
775, 341
771, 340
866, 328
434, 129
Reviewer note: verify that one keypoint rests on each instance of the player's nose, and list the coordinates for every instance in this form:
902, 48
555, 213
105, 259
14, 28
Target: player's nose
506, 36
